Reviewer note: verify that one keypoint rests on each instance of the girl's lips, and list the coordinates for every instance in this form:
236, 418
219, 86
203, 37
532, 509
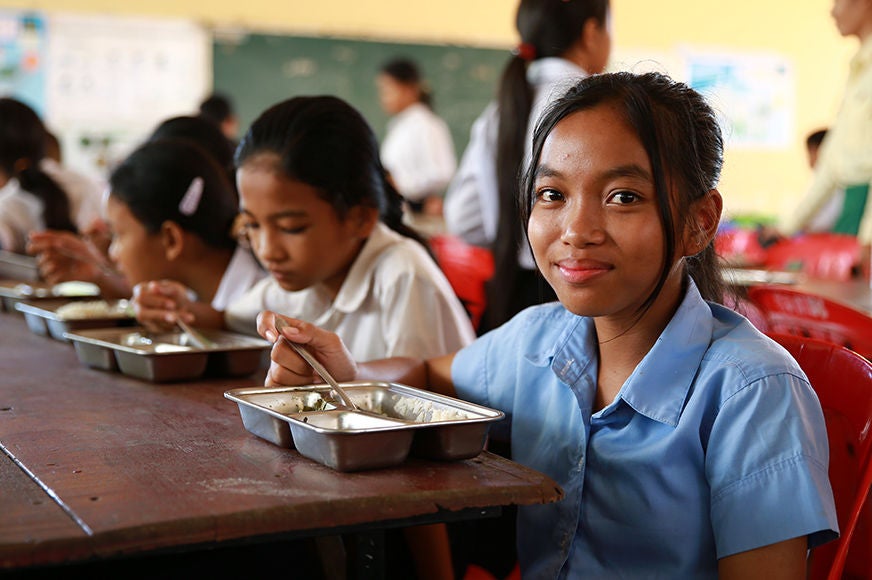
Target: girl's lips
579, 271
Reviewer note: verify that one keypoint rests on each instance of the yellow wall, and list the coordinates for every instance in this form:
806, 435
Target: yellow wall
761, 181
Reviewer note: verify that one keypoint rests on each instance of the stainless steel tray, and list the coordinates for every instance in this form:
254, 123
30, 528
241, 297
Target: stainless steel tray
169, 356
43, 316
18, 266
14, 291
393, 420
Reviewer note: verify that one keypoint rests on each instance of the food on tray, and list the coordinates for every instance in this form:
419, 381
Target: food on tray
421, 411
94, 309
296, 405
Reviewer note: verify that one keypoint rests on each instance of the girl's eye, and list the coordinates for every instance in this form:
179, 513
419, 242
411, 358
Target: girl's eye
293, 230
623, 197
548, 194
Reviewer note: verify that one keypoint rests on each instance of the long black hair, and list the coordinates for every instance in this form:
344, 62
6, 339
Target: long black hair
324, 142
548, 28
682, 138
22, 146
154, 180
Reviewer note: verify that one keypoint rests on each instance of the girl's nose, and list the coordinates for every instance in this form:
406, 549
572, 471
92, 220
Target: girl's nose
583, 224
266, 243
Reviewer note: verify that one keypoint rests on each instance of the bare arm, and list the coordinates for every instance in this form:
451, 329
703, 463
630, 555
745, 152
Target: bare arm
287, 368
784, 560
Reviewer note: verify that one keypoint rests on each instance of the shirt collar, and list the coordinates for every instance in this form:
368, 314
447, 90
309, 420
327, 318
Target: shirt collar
356, 286
863, 57
659, 386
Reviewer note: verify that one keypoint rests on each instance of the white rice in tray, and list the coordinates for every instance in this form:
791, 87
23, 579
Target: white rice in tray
93, 309
422, 411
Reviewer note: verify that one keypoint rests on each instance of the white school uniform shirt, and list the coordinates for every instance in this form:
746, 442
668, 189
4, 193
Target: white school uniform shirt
472, 201
394, 302
418, 152
20, 214
242, 273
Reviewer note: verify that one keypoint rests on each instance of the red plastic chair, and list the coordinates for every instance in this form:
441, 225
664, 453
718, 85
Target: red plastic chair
467, 268
820, 255
740, 247
792, 312
843, 382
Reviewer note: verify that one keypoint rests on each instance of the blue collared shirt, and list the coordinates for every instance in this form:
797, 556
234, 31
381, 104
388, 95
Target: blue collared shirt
715, 445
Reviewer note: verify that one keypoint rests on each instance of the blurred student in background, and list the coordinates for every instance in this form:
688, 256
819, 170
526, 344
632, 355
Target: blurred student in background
30, 200
219, 109
845, 159
561, 42
64, 256
84, 193
417, 150
828, 215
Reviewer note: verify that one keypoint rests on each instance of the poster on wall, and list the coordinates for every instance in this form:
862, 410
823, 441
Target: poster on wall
111, 80
22, 58
753, 93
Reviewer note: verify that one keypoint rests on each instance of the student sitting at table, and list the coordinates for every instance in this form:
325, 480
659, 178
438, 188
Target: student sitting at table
30, 200
171, 211
687, 443
323, 219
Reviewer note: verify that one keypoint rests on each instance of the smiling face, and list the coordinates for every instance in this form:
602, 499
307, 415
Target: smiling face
295, 233
594, 227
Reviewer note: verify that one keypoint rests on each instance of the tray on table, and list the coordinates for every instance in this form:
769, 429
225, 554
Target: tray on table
55, 317
169, 356
392, 421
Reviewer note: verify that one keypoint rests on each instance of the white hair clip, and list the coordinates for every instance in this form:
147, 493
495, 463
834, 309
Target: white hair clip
191, 199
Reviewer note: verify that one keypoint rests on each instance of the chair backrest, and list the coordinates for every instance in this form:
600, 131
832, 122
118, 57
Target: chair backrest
467, 268
740, 247
820, 255
792, 312
843, 382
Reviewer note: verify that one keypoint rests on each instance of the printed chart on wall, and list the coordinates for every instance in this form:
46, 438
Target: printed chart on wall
112, 80
22, 58
753, 91
102, 83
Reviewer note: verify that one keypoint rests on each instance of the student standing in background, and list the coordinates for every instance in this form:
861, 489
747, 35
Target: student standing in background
845, 159
219, 109
417, 150
829, 213
561, 42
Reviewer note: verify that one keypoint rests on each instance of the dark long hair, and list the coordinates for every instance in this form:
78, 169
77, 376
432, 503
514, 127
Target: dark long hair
682, 138
153, 180
549, 28
324, 142
203, 132
22, 147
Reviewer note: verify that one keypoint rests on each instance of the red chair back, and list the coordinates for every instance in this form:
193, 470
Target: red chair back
798, 313
740, 247
843, 382
820, 255
467, 268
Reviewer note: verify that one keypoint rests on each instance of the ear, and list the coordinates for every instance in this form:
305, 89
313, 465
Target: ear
173, 240
703, 224
361, 220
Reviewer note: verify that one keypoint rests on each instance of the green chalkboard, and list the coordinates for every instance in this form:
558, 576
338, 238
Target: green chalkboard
259, 70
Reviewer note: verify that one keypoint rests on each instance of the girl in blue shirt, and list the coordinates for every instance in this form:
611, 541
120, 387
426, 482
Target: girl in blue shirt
687, 443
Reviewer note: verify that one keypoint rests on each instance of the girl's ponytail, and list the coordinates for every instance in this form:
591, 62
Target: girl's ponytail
56, 211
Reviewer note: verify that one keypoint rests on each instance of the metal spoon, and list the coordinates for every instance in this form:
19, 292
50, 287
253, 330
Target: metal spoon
319, 368
196, 337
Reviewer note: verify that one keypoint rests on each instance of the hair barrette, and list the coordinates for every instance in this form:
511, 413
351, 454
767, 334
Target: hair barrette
525, 51
191, 199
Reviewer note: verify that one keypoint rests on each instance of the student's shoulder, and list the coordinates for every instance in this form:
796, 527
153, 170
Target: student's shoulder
740, 346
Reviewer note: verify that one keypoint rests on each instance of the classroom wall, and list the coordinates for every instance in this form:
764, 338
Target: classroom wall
764, 180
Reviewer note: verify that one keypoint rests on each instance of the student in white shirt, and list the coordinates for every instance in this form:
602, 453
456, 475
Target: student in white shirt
417, 150
323, 219
30, 200
171, 210
561, 43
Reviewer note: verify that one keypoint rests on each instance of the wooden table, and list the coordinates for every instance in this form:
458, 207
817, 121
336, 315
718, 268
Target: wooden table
98, 465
